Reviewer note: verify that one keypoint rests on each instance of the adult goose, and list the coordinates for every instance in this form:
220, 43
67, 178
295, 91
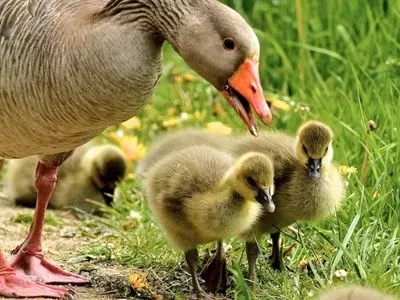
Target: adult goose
69, 69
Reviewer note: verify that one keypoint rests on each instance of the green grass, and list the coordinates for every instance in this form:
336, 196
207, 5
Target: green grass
341, 59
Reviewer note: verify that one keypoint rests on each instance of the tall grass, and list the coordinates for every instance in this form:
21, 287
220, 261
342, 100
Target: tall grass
341, 59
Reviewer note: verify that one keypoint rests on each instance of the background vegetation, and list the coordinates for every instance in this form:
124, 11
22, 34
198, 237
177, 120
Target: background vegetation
337, 61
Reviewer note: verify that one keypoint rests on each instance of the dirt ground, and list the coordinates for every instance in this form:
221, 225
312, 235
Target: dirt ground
60, 246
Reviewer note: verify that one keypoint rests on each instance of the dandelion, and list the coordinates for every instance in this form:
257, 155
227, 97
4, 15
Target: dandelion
184, 78
184, 116
341, 274
131, 147
170, 122
278, 104
346, 170
133, 123
219, 128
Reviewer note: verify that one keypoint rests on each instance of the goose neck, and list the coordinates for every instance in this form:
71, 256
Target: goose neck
163, 18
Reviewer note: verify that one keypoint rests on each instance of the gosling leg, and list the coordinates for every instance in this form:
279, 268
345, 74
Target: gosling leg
215, 273
192, 259
252, 253
276, 255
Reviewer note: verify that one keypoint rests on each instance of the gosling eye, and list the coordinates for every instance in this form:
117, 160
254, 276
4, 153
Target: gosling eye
251, 181
304, 149
326, 151
229, 44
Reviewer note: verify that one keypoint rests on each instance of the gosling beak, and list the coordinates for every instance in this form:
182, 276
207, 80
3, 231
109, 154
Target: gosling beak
244, 93
264, 197
314, 168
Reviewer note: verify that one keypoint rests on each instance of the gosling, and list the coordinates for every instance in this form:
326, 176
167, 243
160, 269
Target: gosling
308, 186
201, 194
92, 172
176, 141
354, 292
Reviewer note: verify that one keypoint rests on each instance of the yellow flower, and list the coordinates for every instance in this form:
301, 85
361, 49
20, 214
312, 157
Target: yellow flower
133, 123
200, 115
278, 104
138, 281
345, 170
170, 122
132, 148
219, 128
184, 78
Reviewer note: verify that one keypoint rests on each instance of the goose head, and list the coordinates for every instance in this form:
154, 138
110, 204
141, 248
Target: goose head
252, 177
314, 147
220, 46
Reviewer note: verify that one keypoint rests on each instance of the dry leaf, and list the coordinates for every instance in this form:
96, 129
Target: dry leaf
138, 281
219, 128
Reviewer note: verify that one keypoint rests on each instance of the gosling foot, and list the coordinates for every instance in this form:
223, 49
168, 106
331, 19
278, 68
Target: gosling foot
215, 272
201, 295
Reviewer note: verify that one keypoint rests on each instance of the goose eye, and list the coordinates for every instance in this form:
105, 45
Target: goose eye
229, 44
251, 182
305, 149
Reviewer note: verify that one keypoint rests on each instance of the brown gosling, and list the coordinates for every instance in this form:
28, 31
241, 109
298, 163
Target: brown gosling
92, 172
354, 292
308, 186
179, 140
201, 194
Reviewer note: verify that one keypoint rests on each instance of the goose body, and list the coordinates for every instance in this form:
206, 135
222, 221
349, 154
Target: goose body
85, 76
200, 194
69, 69
179, 140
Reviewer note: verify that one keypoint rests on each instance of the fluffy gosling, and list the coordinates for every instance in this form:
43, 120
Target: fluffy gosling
201, 194
177, 141
354, 292
308, 186
92, 172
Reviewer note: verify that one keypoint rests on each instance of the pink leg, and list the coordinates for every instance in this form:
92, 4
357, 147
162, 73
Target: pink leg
29, 259
12, 285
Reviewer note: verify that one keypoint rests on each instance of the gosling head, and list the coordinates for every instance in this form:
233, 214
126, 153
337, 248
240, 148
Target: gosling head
107, 167
253, 178
314, 147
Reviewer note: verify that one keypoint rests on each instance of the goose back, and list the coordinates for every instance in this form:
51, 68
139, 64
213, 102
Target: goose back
65, 76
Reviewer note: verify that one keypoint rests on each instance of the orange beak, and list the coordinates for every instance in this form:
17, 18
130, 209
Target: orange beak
244, 92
